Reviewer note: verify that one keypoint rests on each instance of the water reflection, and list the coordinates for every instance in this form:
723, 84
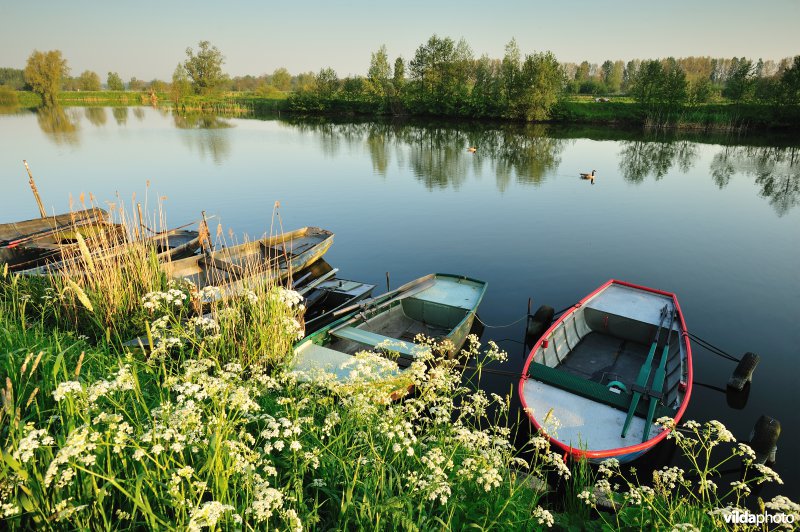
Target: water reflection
641, 158
58, 125
96, 115
776, 171
120, 115
212, 139
436, 153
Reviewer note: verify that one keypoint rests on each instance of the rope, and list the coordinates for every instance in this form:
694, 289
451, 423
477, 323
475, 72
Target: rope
712, 348
500, 326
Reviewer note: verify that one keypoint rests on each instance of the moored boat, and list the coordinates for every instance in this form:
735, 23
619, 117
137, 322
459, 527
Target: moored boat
438, 306
171, 244
611, 365
32, 242
269, 259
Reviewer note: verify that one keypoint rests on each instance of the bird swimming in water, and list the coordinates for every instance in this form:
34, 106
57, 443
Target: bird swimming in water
472, 149
588, 176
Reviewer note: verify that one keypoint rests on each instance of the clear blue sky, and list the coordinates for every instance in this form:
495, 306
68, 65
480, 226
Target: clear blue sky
147, 39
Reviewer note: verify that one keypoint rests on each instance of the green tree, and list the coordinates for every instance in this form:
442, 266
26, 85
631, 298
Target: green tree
542, 80
181, 86
379, 71
327, 82
115, 82
399, 75
205, 67
615, 76
441, 71
660, 86
281, 79
583, 72
740, 82
510, 70
13, 78
135, 85
304, 82
44, 72
89, 81
790, 82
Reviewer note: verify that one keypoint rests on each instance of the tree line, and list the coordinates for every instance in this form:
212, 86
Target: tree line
445, 78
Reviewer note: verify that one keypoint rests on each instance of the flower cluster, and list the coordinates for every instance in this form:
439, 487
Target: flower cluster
160, 301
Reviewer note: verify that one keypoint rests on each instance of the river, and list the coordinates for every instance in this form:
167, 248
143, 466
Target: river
714, 219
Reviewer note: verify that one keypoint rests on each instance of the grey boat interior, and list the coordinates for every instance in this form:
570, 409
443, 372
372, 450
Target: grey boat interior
597, 350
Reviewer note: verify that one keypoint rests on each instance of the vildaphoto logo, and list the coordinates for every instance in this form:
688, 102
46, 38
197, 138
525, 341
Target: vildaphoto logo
747, 518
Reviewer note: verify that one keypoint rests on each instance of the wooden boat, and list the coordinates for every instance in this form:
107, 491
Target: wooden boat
270, 259
32, 242
169, 245
439, 306
611, 365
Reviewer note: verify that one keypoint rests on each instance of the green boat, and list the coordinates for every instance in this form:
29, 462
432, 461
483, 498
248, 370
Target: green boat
438, 306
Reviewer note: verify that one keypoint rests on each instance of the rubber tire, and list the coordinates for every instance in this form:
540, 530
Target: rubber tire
539, 323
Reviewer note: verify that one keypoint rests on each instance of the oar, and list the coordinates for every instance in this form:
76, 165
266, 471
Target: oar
319, 280
658, 380
367, 303
644, 374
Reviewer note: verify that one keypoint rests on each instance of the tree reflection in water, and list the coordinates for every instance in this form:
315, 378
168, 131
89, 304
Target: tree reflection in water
96, 115
437, 153
212, 140
120, 115
776, 171
641, 158
58, 125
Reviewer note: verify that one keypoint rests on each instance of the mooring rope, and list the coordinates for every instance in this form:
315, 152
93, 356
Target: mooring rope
500, 326
708, 346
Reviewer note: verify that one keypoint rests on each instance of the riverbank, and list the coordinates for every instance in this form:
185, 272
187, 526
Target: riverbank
206, 427
613, 111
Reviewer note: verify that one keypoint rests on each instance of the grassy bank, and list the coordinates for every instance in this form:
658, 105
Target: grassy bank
712, 116
206, 428
574, 110
229, 102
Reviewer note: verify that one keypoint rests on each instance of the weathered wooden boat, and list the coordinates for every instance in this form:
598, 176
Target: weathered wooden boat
169, 245
611, 365
30, 242
439, 306
270, 259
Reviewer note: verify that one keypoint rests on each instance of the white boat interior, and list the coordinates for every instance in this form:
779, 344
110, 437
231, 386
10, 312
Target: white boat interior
582, 378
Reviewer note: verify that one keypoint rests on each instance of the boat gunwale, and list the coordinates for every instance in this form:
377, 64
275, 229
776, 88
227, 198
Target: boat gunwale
630, 449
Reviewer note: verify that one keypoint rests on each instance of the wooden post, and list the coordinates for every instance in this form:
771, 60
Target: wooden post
140, 225
42, 212
205, 234
387, 281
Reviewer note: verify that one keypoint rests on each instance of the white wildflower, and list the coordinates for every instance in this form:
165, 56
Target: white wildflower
543, 517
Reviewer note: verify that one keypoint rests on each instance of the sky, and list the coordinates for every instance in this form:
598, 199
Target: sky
147, 39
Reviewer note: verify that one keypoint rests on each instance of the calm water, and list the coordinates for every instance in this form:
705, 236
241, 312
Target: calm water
716, 220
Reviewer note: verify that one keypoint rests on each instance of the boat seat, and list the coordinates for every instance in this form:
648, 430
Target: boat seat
361, 336
592, 390
213, 262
